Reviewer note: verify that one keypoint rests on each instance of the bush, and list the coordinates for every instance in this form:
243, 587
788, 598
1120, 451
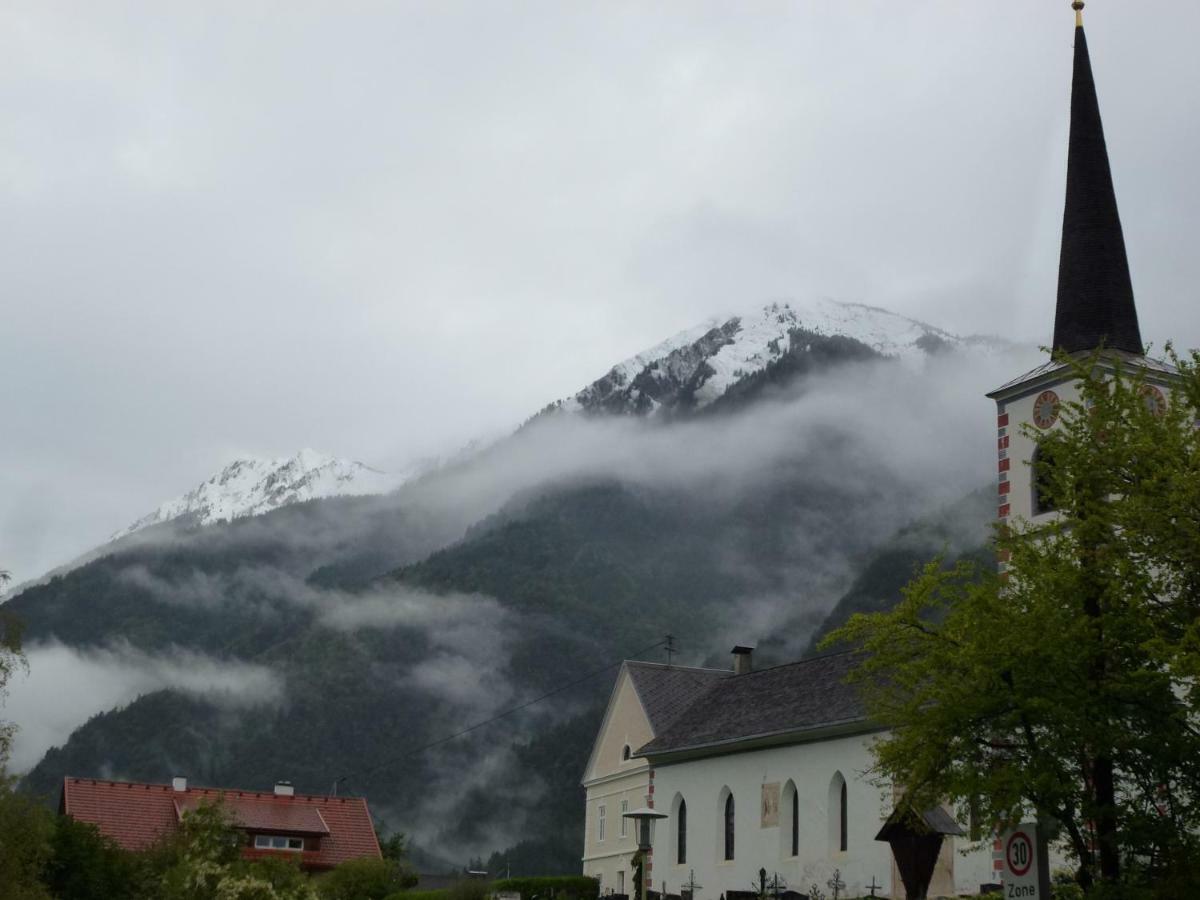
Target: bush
86, 865
365, 879
577, 887
469, 889
419, 895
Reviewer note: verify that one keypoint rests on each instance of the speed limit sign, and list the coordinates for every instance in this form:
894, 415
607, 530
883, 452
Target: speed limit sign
1018, 853
1024, 864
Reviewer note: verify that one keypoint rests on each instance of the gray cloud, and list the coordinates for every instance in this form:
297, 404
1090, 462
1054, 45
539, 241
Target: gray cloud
64, 687
385, 231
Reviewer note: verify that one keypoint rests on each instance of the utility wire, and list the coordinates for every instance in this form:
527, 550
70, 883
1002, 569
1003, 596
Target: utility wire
668, 641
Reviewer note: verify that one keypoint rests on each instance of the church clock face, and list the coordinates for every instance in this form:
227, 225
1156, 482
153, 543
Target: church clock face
1045, 409
1154, 399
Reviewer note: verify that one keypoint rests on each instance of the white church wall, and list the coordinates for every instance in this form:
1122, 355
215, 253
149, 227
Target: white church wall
762, 836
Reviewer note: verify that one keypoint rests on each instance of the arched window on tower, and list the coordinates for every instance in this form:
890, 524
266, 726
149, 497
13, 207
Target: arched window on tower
1042, 465
729, 827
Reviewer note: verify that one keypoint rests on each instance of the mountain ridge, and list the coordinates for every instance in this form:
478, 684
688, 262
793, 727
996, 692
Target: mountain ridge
249, 486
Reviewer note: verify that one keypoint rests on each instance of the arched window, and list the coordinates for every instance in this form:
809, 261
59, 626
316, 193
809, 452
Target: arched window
789, 820
1042, 464
681, 833
838, 813
729, 827
794, 837
843, 816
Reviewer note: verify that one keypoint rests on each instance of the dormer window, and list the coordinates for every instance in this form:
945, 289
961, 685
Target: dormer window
277, 842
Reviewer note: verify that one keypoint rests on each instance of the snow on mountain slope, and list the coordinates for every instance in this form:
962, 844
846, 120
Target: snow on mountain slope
249, 487
702, 362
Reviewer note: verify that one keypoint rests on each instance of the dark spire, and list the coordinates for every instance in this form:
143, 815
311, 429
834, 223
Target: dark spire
1095, 294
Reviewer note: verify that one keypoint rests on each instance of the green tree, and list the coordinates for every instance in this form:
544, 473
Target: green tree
11, 659
25, 832
1067, 687
203, 861
86, 865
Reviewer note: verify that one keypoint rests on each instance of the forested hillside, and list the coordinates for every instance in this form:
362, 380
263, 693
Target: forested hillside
365, 631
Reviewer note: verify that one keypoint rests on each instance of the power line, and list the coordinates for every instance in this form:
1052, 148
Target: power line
668, 642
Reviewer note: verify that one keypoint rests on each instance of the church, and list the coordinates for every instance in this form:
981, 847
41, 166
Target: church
763, 771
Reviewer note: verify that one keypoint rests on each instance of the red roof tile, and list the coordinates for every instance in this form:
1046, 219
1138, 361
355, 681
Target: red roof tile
137, 816
258, 814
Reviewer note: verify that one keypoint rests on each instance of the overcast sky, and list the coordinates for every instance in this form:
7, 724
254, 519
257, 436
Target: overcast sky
380, 229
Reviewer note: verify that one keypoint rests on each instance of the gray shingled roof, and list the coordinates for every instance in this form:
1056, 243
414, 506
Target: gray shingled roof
1129, 362
666, 691
784, 700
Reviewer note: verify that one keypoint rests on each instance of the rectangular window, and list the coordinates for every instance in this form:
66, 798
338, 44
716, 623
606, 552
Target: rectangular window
621, 882
600, 823
624, 821
277, 842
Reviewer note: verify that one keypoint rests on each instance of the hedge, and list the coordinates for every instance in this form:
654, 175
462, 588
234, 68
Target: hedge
577, 887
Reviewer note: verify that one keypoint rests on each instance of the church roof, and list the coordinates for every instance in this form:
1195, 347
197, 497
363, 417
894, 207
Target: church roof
666, 691
781, 703
1095, 292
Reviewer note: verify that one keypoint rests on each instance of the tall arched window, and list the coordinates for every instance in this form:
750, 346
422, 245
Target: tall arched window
838, 813
681, 833
795, 824
729, 827
843, 816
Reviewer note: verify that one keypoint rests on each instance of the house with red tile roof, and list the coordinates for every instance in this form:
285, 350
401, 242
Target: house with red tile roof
320, 832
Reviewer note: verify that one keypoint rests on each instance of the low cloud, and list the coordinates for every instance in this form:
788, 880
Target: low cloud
64, 687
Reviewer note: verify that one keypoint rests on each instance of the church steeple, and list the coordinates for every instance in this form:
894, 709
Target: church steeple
1095, 293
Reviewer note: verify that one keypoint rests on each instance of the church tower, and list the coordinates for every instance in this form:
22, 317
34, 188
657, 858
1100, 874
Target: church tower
1095, 308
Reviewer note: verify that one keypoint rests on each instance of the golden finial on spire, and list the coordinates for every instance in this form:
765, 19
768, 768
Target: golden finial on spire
1078, 7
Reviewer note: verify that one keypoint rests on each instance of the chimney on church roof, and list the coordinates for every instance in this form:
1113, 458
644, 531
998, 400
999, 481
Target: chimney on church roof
743, 659
1095, 292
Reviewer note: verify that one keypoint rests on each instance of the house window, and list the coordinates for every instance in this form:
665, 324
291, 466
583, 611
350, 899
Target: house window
681, 834
277, 842
624, 821
600, 823
729, 827
621, 882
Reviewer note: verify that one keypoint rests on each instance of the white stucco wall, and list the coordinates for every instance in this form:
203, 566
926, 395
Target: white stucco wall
811, 768
611, 780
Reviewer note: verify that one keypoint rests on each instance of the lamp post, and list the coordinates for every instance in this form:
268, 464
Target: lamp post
643, 823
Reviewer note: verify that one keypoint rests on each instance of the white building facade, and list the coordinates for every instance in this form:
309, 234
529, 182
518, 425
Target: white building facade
770, 771
644, 701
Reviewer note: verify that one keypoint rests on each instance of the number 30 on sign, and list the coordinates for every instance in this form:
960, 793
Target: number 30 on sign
1022, 878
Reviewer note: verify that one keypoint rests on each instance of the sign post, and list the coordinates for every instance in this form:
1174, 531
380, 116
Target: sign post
1026, 869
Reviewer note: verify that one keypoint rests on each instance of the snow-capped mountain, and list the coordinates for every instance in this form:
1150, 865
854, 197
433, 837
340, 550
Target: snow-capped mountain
248, 487
702, 362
